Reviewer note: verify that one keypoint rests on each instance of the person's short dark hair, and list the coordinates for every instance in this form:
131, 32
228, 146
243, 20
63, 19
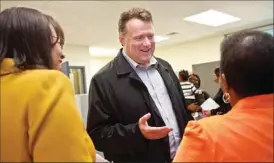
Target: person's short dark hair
247, 62
137, 13
183, 74
25, 36
217, 71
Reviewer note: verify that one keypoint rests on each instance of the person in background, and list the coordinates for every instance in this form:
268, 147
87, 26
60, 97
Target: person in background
220, 98
190, 91
199, 98
245, 134
39, 118
136, 107
196, 81
188, 88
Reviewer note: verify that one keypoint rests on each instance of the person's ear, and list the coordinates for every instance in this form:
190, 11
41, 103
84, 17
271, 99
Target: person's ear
122, 39
223, 83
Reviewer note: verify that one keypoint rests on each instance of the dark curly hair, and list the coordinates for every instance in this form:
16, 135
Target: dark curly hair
183, 74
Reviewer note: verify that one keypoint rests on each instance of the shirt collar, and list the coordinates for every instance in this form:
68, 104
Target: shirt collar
7, 66
258, 101
134, 65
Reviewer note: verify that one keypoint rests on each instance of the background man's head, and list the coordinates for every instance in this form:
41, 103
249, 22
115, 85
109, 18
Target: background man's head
136, 34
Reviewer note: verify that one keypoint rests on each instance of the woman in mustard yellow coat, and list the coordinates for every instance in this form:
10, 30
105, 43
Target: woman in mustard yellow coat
39, 118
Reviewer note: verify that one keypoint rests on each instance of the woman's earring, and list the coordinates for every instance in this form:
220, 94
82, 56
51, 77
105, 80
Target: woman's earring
226, 98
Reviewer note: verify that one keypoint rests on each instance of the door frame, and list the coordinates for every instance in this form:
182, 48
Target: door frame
83, 70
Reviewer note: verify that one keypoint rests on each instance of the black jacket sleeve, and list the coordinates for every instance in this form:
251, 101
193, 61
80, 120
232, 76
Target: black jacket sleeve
178, 86
201, 98
108, 135
218, 99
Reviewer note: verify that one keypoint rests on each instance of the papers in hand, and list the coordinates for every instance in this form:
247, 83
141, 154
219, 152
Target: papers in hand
209, 104
100, 158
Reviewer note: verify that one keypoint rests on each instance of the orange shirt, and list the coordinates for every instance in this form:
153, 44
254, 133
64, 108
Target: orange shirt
245, 134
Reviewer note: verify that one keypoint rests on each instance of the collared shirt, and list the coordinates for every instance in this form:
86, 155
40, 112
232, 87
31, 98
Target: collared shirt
158, 91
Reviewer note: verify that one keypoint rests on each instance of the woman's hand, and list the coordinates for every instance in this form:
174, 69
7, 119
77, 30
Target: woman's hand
193, 107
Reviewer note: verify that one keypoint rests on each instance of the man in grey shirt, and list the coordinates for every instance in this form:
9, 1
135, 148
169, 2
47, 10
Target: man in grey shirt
136, 106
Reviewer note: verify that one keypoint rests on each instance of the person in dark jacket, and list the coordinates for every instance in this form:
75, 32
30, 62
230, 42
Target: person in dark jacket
220, 98
136, 106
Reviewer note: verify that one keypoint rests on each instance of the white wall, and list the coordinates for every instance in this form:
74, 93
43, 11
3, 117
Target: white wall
180, 56
79, 56
183, 56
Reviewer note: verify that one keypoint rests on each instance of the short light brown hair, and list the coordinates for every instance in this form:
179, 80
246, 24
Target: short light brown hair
133, 13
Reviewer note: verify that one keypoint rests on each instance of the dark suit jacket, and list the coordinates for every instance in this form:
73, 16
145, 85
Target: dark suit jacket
117, 99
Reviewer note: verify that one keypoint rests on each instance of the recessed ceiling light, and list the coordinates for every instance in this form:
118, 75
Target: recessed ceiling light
212, 18
160, 38
102, 52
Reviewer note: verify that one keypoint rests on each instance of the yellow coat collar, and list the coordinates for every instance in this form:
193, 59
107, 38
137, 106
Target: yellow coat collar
7, 66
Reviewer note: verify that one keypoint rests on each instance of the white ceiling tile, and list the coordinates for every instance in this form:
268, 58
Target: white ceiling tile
32, 4
96, 22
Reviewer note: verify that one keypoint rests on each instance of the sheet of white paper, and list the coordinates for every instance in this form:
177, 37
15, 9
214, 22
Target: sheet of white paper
209, 104
100, 158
